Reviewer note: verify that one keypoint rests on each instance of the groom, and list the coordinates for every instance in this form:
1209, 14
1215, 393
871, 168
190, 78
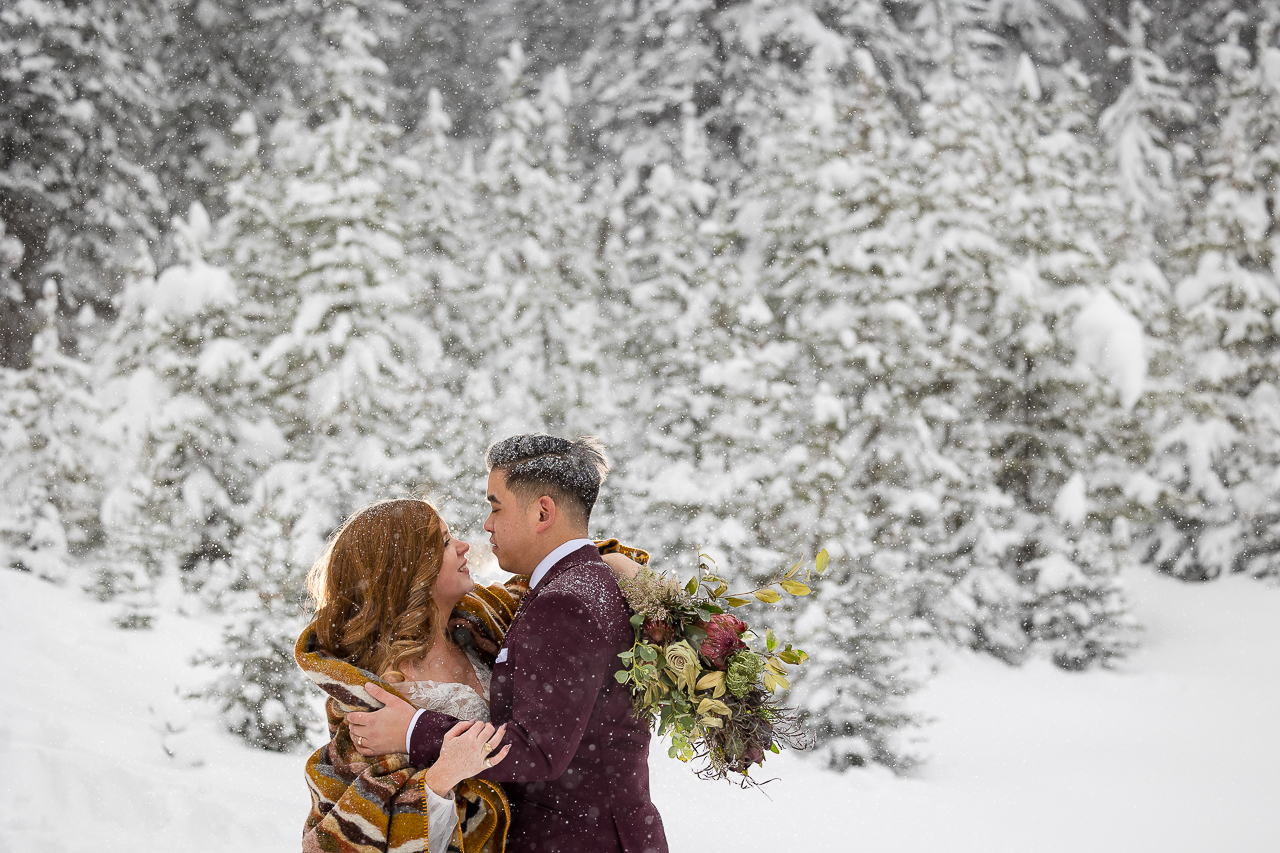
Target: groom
577, 774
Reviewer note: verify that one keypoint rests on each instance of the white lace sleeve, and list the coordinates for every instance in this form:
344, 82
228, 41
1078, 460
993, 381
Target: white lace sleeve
442, 820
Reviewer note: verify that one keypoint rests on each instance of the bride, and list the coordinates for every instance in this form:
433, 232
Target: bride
394, 598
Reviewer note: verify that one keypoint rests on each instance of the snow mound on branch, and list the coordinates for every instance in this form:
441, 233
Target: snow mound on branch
1055, 573
190, 289
1072, 505
1271, 68
1110, 341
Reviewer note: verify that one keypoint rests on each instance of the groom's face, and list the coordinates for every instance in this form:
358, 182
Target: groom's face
512, 526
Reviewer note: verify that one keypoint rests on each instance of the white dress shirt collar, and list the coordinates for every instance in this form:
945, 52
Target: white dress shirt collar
554, 557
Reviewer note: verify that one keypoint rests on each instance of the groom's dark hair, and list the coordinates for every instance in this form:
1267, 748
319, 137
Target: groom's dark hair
569, 472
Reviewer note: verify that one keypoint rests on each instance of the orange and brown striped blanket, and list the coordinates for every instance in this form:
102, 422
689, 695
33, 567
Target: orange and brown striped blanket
378, 805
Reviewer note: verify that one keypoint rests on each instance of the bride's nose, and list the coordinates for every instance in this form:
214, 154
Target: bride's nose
463, 548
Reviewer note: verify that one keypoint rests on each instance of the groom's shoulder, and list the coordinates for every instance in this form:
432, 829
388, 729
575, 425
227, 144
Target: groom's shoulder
589, 579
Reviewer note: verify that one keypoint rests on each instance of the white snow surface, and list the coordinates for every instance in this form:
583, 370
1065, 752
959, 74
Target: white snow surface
1175, 751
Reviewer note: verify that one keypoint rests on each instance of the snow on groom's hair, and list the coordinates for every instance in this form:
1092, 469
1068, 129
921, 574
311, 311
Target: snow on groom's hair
569, 472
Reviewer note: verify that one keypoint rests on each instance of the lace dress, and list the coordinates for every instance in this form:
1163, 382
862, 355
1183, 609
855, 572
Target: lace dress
456, 700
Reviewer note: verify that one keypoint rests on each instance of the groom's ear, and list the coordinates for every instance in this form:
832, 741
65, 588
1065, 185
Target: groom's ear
546, 513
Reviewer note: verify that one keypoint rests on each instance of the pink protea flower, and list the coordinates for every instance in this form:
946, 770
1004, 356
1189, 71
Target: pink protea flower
724, 637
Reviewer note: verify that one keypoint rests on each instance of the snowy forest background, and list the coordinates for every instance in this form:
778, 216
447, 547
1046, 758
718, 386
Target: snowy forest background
979, 295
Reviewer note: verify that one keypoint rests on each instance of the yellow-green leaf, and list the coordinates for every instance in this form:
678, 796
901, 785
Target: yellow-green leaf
821, 562
711, 680
773, 666
734, 601
774, 682
796, 588
791, 572
768, 596
692, 586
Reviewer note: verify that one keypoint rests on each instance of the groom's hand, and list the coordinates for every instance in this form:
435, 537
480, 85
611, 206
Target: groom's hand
381, 732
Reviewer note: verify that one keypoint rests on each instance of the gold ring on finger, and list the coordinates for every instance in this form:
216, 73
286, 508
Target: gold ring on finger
487, 748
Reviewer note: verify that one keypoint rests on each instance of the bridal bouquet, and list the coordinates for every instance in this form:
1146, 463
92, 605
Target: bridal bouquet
701, 675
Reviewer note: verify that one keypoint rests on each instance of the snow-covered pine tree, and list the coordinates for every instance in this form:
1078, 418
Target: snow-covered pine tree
76, 118
337, 336
737, 63
989, 177
1068, 370
839, 382
258, 687
957, 270
446, 46
222, 59
1219, 442
138, 545
1042, 29
1136, 129
314, 238
50, 465
537, 322
442, 230
180, 385
668, 281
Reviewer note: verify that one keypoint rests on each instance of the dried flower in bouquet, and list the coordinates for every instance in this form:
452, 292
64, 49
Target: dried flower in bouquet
696, 677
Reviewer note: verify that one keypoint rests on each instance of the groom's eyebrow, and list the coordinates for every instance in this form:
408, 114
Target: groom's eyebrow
493, 499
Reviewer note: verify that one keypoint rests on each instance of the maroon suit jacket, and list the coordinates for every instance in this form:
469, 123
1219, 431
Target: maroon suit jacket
578, 771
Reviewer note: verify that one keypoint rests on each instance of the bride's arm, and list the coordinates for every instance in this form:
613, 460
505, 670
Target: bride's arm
623, 566
462, 756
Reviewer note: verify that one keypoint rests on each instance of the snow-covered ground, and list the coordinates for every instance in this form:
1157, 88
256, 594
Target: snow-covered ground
1178, 751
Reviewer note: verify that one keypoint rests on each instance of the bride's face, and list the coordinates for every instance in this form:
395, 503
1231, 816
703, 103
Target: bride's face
455, 579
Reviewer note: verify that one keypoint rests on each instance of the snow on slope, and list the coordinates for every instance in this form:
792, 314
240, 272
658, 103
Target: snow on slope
84, 733
1178, 751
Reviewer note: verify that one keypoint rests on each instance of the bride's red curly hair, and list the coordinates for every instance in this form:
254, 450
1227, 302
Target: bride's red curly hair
372, 586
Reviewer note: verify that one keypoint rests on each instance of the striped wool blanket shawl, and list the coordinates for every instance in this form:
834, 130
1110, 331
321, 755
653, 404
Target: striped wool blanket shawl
361, 804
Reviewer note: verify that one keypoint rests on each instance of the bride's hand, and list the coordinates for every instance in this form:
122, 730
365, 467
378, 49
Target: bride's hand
467, 749
623, 566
